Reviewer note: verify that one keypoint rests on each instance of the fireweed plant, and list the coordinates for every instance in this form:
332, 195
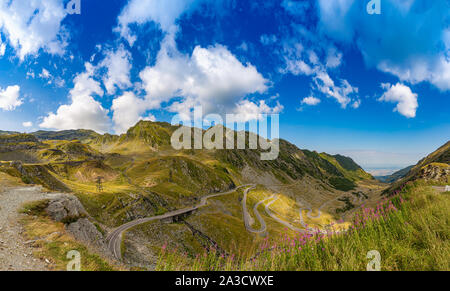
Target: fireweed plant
410, 229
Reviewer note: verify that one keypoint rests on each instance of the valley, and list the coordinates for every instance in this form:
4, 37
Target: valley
144, 198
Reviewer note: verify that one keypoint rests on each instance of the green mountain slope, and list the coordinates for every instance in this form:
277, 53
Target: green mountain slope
2, 132
435, 167
79, 134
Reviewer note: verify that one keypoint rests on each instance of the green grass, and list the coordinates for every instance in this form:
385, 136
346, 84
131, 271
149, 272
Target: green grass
416, 237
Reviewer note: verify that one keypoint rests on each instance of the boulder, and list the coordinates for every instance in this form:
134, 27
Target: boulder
66, 208
85, 231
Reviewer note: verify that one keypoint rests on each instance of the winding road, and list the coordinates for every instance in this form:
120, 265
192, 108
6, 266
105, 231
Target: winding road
114, 239
248, 220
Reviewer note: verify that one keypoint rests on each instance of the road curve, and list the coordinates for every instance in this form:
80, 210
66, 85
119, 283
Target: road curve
262, 222
114, 239
271, 214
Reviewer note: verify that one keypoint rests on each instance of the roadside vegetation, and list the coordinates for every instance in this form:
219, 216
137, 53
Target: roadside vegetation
411, 231
52, 242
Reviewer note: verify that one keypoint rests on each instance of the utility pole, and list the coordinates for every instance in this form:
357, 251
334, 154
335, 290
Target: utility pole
99, 184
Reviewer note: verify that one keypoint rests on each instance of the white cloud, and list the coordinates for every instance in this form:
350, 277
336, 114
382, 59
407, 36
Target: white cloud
334, 58
33, 25
149, 117
312, 101
45, 74
402, 95
84, 112
128, 110
247, 110
266, 39
118, 65
164, 13
27, 124
299, 67
419, 29
2, 49
31, 74
299, 61
356, 104
9, 98
211, 77
341, 93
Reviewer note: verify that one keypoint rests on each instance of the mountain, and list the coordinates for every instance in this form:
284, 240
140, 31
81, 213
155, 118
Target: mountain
144, 175
153, 138
121, 178
2, 132
79, 134
435, 167
395, 176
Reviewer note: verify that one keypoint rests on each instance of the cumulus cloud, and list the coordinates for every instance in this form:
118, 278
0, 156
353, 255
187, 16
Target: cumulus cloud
312, 101
402, 95
416, 46
33, 25
27, 124
118, 65
9, 98
211, 77
247, 110
83, 111
127, 111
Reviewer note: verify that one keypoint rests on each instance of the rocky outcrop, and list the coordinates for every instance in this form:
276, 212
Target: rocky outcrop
68, 209
435, 172
18, 142
39, 175
85, 231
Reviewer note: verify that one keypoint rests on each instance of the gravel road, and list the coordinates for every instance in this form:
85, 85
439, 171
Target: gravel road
15, 253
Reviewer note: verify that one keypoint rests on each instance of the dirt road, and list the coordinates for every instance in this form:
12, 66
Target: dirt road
15, 253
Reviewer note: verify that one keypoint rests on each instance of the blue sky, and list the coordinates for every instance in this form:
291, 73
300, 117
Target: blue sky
374, 87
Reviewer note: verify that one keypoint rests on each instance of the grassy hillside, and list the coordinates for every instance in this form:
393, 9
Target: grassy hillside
410, 231
434, 167
143, 176
2, 132
69, 135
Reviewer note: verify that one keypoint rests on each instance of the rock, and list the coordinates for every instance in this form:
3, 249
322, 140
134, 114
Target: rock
435, 172
85, 231
66, 208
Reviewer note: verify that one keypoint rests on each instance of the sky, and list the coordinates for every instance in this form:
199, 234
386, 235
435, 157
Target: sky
371, 86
